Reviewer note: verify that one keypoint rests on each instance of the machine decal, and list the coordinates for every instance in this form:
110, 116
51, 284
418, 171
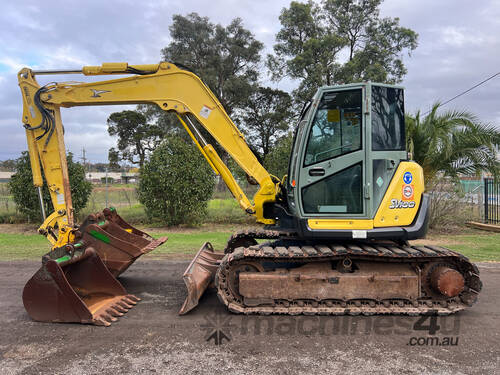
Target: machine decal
408, 192
97, 93
205, 111
395, 203
407, 178
359, 234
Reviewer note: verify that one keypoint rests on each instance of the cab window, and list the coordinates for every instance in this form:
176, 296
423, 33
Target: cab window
336, 129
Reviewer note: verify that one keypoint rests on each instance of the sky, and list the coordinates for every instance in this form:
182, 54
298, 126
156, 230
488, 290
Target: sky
459, 46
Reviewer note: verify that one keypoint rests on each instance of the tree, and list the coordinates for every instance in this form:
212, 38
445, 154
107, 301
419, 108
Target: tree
8, 165
225, 58
136, 137
26, 197
276, 162
453, 143
313, 38
265, 117
176, 183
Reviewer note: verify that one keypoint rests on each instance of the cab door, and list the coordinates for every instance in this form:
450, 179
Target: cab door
332, 175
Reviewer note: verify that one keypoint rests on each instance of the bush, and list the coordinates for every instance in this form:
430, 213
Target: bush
448, 206
25, 195
176, 183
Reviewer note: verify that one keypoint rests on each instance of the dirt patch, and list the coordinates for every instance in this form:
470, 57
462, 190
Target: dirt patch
19, 228
151, 338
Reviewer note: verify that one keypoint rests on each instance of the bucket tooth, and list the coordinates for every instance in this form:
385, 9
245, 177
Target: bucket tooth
129, 301
114, 312
120, 309
75, 290
115, 241
101, 322
199, 275
124, 305
133, 298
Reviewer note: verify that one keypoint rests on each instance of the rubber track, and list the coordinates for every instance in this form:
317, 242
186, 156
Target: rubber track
356, 251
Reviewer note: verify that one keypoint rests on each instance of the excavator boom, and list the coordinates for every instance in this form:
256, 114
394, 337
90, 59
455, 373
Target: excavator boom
115, 242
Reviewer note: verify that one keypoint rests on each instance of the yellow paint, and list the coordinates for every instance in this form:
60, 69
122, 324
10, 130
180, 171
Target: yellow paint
333, 224
172, 89
51, 158
399, 217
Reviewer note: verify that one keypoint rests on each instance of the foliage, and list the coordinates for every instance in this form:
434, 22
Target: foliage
276, 162
26, 196
176, 183
446, 204
136, 137
8, 165
225, 58
453, 143
313, 38
265, 117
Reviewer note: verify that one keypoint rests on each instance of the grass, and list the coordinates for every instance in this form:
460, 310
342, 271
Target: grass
478, 248
219, 211
189, 243
33, 246
226, 211
182, 243
15, 246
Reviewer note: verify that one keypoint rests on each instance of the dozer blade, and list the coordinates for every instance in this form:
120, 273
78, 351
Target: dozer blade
199, 274
117, 243
76, 290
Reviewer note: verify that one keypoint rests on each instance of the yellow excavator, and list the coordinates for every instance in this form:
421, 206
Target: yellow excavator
335, 231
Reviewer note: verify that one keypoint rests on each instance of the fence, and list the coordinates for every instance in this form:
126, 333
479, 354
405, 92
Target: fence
114, 195
491, 201
7, 204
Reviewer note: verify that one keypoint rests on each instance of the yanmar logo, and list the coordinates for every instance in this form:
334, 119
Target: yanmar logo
395, 203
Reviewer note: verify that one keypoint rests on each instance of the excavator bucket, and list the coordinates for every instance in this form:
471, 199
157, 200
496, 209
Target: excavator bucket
76, 289
117, 243
199, 275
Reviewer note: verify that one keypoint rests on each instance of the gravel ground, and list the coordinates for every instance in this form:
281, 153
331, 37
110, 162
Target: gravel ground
152, 338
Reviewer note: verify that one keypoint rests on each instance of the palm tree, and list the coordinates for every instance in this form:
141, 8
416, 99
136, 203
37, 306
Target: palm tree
453, 143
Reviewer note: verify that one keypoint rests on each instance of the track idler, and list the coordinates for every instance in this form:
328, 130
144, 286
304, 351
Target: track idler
447, 281
76, 289
117, 243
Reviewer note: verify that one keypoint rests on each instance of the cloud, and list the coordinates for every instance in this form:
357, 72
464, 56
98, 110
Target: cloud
458, 47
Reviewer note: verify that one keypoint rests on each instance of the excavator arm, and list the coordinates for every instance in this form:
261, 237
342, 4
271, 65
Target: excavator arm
165, 84
79, 270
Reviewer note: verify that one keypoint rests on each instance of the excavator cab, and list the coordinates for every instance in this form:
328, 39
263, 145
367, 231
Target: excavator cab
349, 166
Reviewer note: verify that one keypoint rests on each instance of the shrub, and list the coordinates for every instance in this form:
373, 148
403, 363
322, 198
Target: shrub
448, 206
25, 195
176, 183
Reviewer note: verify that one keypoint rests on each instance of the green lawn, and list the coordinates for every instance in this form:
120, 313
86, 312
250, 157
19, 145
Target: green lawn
478, 247
33, 246
482, 248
